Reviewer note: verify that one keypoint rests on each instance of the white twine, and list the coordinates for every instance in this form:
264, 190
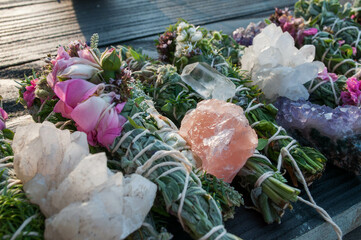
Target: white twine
6, 159
32, 234
143, 151
241, 88
334, 24
26, 222
276, 136
258, 155
254, 124
340, 63
312, 202
347, 28
357, 40
249, 108
337, 100
262, 178
6, 165
324, 54
135, 139
234, 79
212, 231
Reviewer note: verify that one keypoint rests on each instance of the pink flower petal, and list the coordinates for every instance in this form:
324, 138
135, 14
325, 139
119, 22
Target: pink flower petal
87, 114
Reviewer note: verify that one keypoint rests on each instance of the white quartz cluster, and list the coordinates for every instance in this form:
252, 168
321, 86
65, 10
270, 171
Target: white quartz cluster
278, 67
79, 195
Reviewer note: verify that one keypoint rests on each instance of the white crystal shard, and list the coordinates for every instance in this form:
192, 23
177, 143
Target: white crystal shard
80, 196
208, 82
110, 200
278, 67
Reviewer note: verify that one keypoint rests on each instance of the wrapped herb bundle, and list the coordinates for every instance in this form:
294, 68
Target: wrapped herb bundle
272, 196
70, 101
143, 152
337, 42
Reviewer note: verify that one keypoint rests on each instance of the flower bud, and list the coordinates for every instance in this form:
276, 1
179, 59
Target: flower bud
41, 93
110, 60
217, 35
196, 36
82, 71
184, 60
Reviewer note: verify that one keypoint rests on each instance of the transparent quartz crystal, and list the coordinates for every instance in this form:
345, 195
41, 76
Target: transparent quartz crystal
208, 82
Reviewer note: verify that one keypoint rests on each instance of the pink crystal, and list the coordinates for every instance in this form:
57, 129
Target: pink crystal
220, 136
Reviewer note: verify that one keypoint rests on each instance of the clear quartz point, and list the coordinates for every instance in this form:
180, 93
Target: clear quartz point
208, 82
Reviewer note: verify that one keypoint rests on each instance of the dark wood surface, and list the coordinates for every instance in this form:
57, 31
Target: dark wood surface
338, 192
31, 29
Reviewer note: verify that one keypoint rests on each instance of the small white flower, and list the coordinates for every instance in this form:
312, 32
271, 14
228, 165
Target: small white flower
197, 36
191, 31
182, 26
188, 48
182, 36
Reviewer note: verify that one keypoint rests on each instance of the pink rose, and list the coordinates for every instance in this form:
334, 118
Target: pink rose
29, 94
71, 93
99, 119
3, 117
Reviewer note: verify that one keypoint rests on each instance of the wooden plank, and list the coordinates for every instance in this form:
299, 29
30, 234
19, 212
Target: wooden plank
337, 192
30, 30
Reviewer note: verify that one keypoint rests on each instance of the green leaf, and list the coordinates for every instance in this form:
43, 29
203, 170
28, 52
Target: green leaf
134, 124
8, 134
262, 143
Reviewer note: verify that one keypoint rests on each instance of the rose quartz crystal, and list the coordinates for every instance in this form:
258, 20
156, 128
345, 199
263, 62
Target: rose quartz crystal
219, 134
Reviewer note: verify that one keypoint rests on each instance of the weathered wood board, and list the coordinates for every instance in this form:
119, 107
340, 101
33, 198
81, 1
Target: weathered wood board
31, 29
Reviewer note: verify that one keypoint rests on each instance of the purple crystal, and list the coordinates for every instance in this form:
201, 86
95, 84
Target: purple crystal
333, 123
335, 132
245, 36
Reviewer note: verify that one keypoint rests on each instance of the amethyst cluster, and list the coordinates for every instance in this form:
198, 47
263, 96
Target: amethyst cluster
244, 36
335, 132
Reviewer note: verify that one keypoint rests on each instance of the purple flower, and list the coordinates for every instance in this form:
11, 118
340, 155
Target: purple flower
353, 94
